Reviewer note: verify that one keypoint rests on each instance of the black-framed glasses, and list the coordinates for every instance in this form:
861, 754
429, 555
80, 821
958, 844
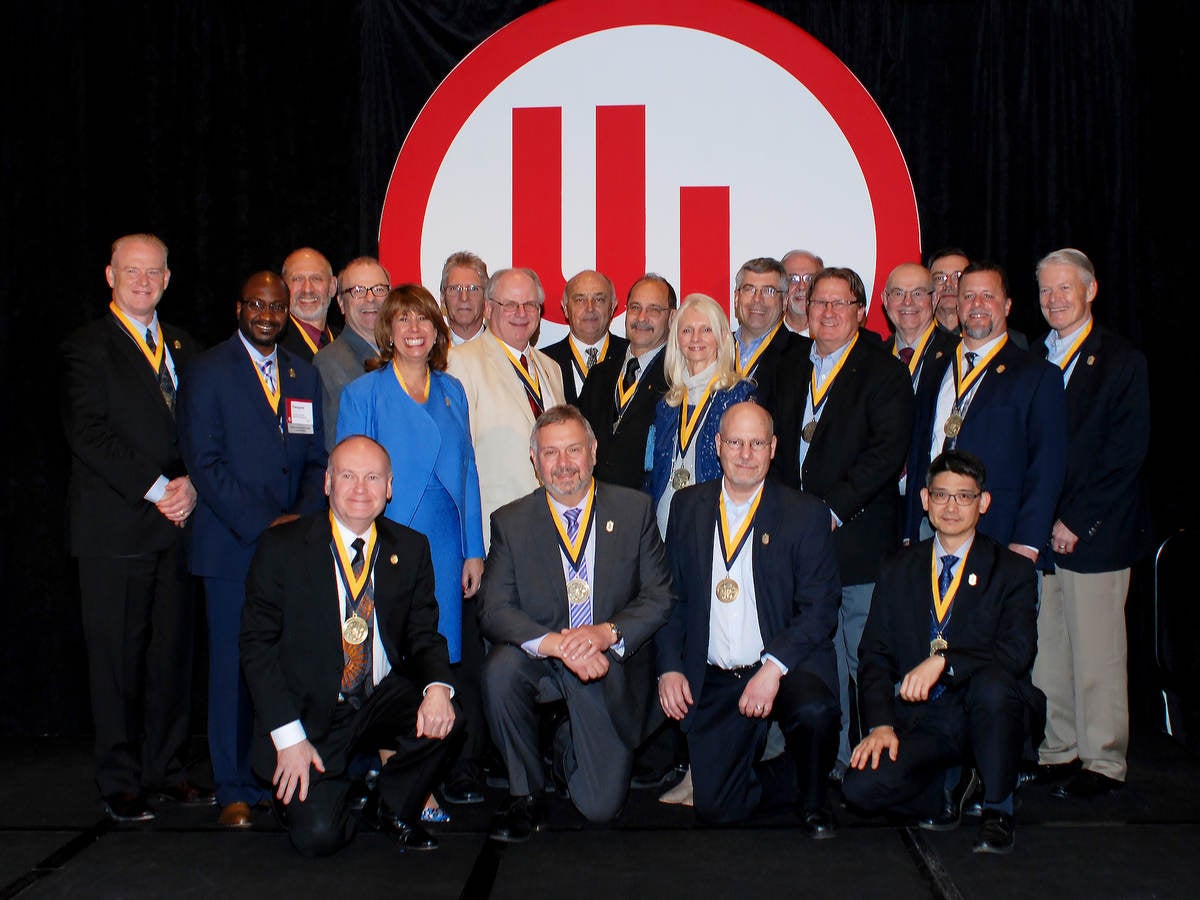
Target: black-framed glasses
360, 291
258, 304
941, 496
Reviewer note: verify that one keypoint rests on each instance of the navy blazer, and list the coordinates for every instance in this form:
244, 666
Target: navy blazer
941, 344
796, 584
1017, 424
1108, 422
993, 622
246, 472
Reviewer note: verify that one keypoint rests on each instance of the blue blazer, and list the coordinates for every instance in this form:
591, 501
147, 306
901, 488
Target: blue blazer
376, 405
1017, 424
245, 471
660, 443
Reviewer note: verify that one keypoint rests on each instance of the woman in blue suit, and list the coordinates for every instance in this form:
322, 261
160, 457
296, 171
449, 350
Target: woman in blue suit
702, 382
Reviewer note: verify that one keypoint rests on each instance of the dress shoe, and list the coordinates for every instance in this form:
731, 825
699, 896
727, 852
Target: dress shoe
997, 833
128, 808
648, 779
952, 809
463, 790
1085, 785
818, 824
515, 825
235, 815
410, 836
186, 794
682, 794
1049, 773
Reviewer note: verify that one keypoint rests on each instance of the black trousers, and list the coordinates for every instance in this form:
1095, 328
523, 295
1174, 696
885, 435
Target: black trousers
138, 622
981, 723
724, 746
323, 822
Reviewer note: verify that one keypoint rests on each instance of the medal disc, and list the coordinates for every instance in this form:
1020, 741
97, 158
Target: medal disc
354, 630
937, 645
577, 591
727, 590
809, 430
681, 478
953, 425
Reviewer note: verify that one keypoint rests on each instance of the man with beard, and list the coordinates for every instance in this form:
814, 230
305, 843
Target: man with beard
309, 279
801, 266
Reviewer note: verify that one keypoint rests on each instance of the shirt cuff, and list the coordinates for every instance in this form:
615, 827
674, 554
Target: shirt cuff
533, 647
443, 684
288, 735
158, 490
769, 657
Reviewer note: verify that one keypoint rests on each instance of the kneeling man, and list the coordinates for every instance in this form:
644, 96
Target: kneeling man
750, 640
342, 656
575, 583
944, 665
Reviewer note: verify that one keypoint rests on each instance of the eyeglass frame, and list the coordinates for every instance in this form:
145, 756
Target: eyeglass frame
941, 496
378, 290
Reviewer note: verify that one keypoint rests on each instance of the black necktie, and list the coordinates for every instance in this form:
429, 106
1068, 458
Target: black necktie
631, 369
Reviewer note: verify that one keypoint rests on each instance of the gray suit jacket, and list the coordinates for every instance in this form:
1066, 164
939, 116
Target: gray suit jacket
338, 364
524, 592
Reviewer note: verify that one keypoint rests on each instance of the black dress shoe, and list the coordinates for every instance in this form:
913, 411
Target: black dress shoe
128, 808
1050, 773
997, 833
410, 836
952, 810
1084, 785
463, 791
186, 794
515, 825
649, 779
818, 824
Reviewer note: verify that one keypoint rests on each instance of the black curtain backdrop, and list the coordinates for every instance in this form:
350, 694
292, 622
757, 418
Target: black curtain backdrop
240, 130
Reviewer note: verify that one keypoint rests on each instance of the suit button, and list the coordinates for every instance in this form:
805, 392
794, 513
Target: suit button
284, 470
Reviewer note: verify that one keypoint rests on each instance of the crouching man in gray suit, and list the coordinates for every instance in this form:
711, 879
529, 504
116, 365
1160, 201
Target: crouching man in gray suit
576, 582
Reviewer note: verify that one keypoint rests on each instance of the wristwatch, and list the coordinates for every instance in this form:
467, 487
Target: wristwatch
617, 636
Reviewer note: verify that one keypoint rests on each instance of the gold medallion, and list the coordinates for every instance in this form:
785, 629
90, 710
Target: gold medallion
937, 645
953, 424
727, 590
808, 431
354, 630
577, 591
681, 478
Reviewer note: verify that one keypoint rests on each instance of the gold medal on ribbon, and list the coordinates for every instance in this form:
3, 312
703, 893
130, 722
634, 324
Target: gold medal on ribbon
727, 590
809, 429
578, 591
354, 630
938, 645
953, 424
680, 478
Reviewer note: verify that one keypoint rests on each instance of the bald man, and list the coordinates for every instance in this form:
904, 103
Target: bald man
310, 282
588, 303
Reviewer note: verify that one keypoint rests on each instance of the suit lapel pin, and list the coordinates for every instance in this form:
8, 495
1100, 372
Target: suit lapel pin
175, 345
938, 355
1091, 360
972, 580
766, 539
394, 559
447, 399
291, 373
1000, 368
608, 526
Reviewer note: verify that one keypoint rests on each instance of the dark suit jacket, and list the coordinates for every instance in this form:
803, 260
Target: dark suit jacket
1017, 424
992, 622
122, 438
246, 473
764, 372
524, 593
940, 346
292, 341
560, 352
291, 639
1108, 431
621, 443
857, 452
796, 585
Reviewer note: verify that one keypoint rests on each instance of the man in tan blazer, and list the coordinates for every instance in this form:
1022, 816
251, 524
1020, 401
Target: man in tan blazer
508, 384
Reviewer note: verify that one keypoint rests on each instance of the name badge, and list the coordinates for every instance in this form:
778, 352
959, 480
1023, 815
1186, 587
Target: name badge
299, 416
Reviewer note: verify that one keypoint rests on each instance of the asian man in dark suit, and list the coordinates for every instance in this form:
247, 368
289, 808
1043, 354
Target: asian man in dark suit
575, 584
622, 392
843, 417
944, 666
342, 656
130, 501
750, 640
588, 303
250, 428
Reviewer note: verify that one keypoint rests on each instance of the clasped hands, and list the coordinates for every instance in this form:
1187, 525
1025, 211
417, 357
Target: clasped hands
178, 502
581, 649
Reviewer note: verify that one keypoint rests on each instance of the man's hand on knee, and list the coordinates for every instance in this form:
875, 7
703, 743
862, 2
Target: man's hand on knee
292, 770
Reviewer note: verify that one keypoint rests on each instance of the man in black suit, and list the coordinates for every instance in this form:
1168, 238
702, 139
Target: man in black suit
342, 656
130, 500
621, 393
1100, 529
944, 665
750, 639
576, 582
843, 417
589, 302
760, 289
908, 301
312, 287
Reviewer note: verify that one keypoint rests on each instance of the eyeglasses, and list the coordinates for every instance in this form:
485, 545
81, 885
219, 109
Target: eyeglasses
836, 304
257, 304
939, 496
918, 294
802, 277
941, 278
509, 308
359, 291
758, 445
766, 291
636, 309
469, 289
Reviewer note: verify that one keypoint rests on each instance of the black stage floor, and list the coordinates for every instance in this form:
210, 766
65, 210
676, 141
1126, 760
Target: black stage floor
1140, 842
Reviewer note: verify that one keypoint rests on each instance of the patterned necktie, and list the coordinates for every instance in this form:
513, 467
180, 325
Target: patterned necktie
970, 357
944, 578
906, 355
534, 406
165, 384
268, 370
631, 370
581, 613
357, 683
592, 355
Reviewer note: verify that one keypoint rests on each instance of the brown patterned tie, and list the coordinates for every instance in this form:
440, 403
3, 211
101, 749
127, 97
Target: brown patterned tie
356, 658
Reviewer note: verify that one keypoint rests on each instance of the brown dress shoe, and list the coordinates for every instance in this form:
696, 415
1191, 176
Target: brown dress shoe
235, 815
